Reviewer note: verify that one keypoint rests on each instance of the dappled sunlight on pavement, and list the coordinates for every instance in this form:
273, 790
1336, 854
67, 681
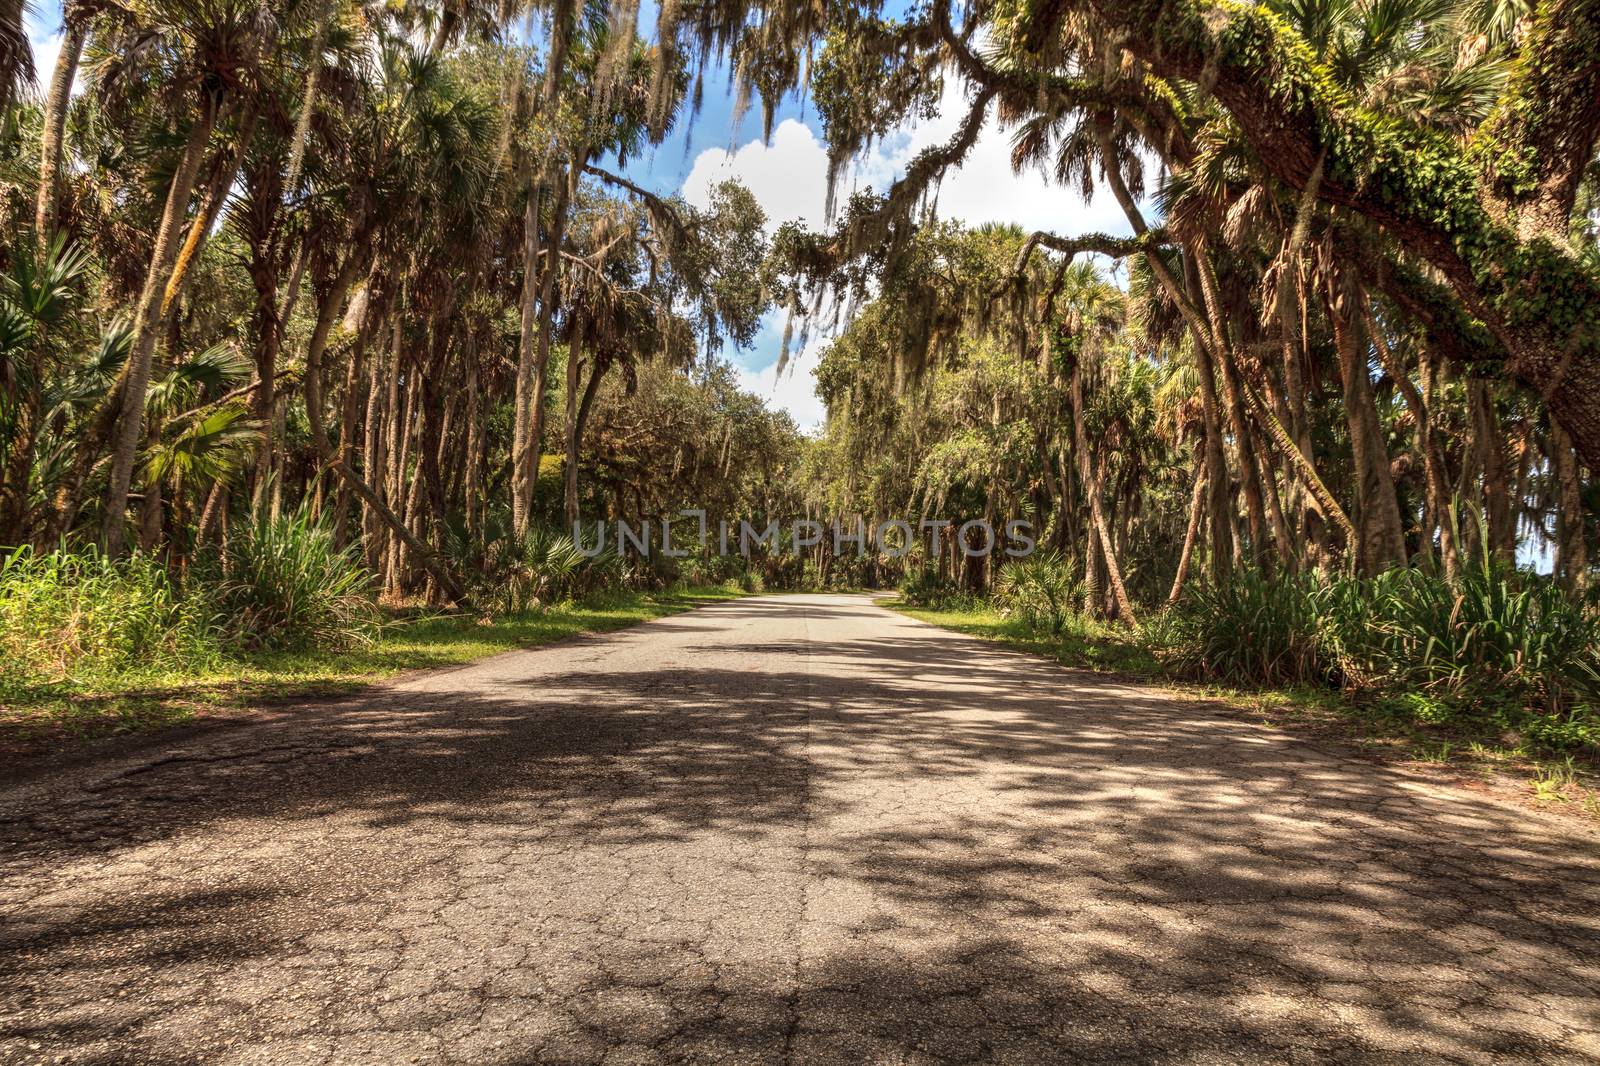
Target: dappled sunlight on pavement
797, 829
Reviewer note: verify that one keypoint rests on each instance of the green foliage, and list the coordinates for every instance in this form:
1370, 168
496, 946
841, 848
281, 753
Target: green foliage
508, 574
1497, 635
928, 588
1251, 630
69, 618
284, 584
1043, 591
1500, 647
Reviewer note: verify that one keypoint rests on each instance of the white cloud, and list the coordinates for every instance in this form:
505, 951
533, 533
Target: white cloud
794, 392
789, 178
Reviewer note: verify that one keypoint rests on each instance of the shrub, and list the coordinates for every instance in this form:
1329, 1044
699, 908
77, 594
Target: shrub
76, 616
930, 589
1498, 634
1041, 591
1249, 630
509, 574
1496, 645
283, 584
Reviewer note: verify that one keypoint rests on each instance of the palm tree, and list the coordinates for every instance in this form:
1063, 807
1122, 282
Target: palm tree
216, 43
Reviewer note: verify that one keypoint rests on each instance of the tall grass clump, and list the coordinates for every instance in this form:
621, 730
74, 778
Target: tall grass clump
1497, 637
1499, 647
926, 587
1253, 629
512, 574
283, 584
1041, 591
74, 617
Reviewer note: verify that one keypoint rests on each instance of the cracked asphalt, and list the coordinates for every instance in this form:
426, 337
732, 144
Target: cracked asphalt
784, 829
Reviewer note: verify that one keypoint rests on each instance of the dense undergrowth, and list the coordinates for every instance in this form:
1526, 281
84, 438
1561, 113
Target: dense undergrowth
92, 647
1501, 656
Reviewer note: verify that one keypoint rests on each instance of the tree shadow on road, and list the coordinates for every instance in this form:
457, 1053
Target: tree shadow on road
1002, 859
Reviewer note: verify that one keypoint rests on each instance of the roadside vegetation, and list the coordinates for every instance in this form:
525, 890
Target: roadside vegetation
95, 648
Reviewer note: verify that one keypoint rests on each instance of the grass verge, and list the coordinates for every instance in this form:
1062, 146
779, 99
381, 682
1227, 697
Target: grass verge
50, 718
1502, 761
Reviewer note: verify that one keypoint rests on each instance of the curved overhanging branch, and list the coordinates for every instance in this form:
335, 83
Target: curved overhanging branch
658, 206
1536, 145
1525, 284
1100, 243
928, 167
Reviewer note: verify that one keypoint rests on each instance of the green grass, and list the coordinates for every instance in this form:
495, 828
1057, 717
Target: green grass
47, 718
1377, 729
1084, 644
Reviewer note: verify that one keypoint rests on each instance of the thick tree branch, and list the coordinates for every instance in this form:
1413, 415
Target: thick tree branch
1532, 293
1541, 137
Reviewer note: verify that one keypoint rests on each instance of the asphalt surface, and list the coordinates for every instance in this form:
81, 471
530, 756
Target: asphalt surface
785, 829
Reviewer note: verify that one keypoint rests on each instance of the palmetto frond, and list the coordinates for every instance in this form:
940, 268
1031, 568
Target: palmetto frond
209, 448
211, 370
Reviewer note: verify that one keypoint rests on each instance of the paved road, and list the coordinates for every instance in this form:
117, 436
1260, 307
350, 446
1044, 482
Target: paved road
786, 829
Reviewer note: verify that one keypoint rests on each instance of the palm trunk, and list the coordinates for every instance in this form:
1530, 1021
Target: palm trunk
1089, 473
541, 363
527, 358
571, 429
1249, 469
53, 139
224, 170
1222, 541
1197, 502
1572, 558
308, 102
1432, 460
1382, 542
332, 304
147, 326
472, 472
1489, 442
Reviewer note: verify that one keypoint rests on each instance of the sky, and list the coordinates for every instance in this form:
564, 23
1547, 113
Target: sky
788, 176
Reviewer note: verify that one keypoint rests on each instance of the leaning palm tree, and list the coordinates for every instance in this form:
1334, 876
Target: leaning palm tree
215, 44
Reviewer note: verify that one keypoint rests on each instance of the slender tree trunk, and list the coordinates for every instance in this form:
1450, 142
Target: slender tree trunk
375, 468
541, 367
1382, 543
147, 326
472, 472
332, 304
1489, 442
522, 478
1435, 478
216, 502
1089, 474
1572, 552
1222, 540
224, 171
1197, 503
308, 101
570, 429
349, 419
52, 141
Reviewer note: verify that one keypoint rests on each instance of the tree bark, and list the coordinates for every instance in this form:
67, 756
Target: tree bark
332, 304
1572, 551
52, 142
147, 325
1382, 542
